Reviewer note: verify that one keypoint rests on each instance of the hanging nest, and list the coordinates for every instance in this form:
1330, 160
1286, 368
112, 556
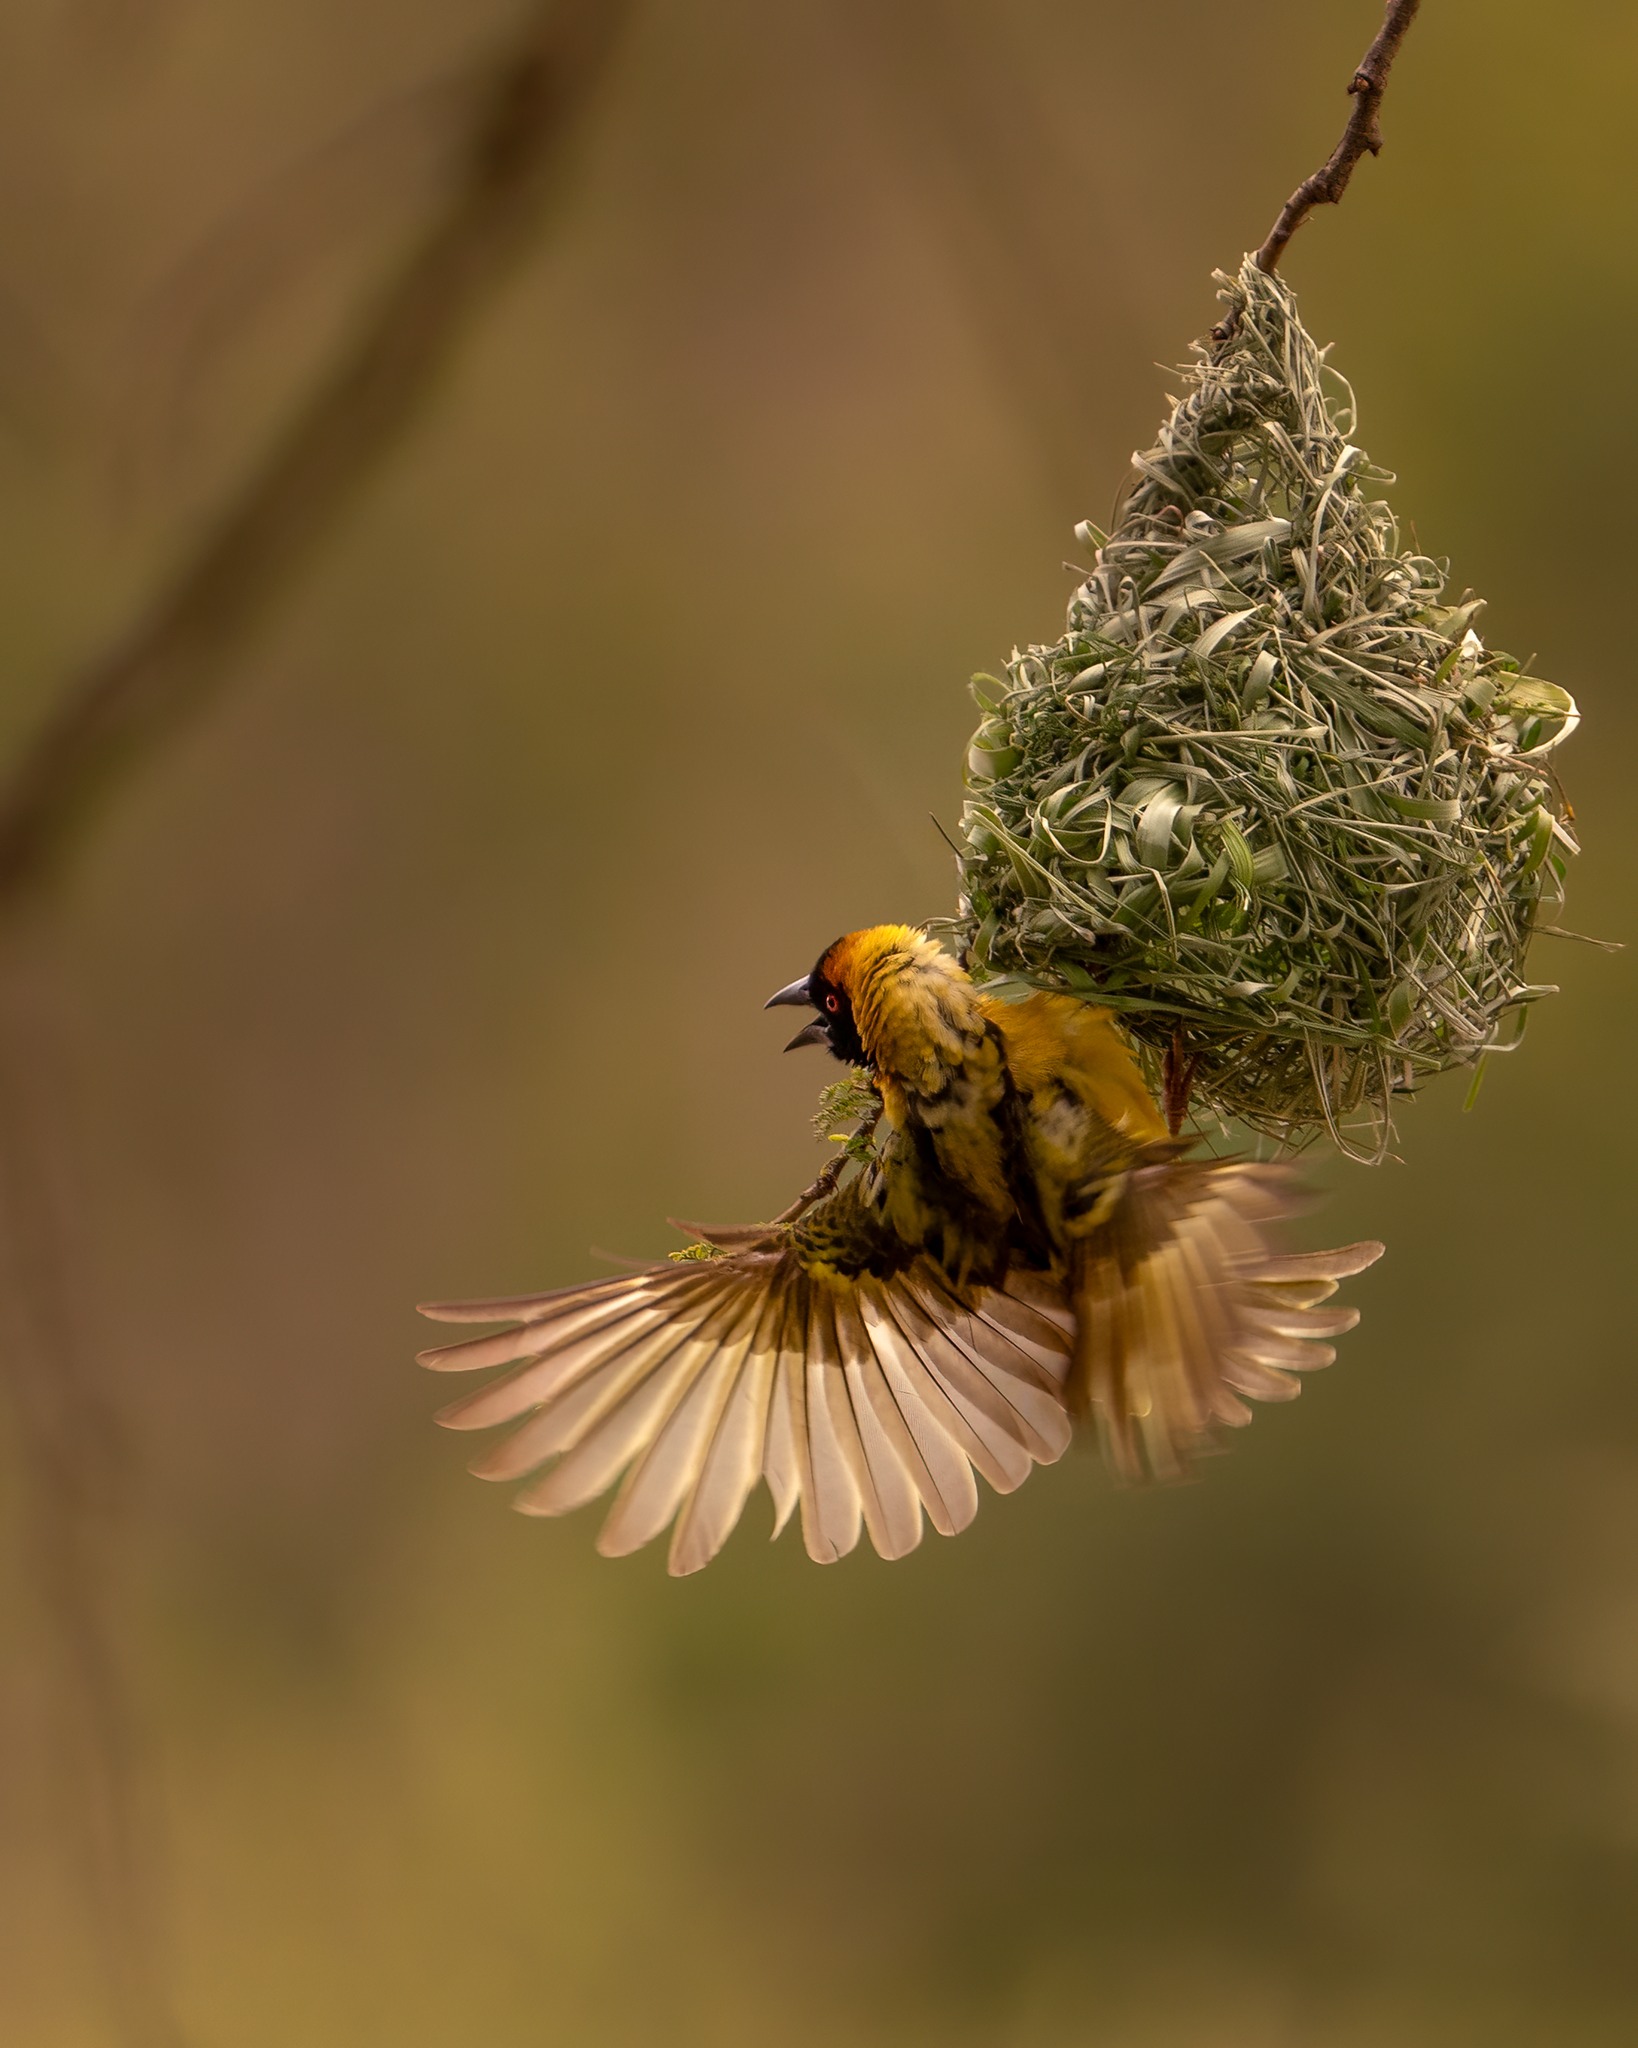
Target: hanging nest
1268, 797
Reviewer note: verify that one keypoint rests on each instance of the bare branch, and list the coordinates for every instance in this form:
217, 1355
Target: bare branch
166, 665
1362, 136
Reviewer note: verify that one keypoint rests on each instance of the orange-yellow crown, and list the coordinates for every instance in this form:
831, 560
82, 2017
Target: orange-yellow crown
860, 958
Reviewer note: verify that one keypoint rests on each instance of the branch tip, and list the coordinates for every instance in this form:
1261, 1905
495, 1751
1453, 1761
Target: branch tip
1361, 137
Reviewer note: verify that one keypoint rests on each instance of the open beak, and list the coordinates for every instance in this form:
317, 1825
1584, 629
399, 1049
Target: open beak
797, 997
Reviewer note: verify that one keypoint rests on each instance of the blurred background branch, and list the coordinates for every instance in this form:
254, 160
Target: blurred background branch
163, 667
103, 724
74, 1473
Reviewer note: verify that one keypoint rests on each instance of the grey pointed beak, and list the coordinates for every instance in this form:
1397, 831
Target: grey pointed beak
795, 996
810, 1034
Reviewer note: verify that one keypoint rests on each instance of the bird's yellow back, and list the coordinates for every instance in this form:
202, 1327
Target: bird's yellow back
1019, 1109
1052, 1039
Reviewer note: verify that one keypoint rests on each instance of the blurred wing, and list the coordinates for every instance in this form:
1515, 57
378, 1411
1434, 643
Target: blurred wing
1183, 1307
867, 1402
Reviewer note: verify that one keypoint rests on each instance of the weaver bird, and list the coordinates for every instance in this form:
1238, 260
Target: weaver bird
1025, 1247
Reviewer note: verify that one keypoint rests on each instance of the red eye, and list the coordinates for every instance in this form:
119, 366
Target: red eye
832, 1004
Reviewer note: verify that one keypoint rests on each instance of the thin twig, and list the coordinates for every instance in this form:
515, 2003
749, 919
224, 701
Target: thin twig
1362, 136
1177, 1081
824, 1181
822, 1184
166, 665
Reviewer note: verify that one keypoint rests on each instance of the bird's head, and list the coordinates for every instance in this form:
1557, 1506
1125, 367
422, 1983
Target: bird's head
846, 985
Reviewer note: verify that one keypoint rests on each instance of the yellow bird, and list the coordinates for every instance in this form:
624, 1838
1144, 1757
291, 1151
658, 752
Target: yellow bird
1025, 1247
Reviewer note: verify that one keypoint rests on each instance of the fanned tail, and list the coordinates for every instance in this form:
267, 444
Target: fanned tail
1183, 1309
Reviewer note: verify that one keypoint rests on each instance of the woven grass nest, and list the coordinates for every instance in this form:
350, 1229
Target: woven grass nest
1268, 797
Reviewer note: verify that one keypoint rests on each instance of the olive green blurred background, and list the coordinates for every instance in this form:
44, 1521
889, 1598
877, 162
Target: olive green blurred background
432, 957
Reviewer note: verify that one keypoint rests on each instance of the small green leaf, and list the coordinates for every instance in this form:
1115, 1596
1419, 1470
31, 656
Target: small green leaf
1242, 861
1154, 830
1214, 635
1541, 837
1260, 681
1432, 810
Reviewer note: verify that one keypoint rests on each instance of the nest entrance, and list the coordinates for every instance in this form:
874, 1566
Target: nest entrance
1268, 791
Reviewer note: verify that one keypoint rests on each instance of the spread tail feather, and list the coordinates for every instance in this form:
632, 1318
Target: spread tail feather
1183, 1309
